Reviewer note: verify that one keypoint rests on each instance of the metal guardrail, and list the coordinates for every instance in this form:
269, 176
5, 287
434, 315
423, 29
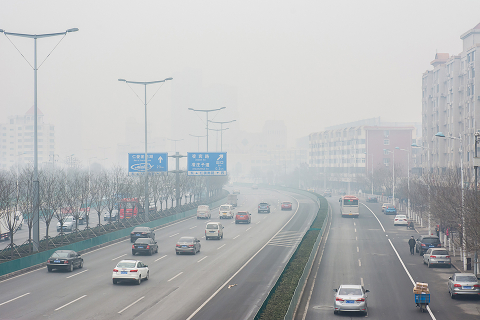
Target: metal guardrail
306, 273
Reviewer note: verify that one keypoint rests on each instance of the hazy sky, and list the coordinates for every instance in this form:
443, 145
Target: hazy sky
310, 63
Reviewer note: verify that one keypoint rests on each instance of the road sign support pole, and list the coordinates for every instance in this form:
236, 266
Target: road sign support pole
177, 172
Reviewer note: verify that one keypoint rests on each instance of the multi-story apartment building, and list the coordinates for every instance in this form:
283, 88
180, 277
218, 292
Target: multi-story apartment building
16, 140
342, 155
450, 104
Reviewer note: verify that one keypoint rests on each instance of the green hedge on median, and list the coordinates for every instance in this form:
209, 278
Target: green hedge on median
276, 305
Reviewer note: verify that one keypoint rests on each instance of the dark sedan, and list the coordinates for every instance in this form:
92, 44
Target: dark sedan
141, 232
64, 259
372, 199
144, 245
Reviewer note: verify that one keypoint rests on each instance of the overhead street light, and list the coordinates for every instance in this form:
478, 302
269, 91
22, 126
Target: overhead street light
221, 130
36, 187
198, 138
175, 141
145, 83
206, 111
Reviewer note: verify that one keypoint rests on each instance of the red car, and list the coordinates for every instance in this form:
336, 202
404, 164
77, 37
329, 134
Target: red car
243, 216
286, 205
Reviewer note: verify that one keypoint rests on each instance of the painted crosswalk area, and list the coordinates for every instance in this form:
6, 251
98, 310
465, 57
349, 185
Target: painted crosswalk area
286, 239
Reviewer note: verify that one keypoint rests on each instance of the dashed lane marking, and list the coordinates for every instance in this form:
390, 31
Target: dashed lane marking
23, 295
160, 258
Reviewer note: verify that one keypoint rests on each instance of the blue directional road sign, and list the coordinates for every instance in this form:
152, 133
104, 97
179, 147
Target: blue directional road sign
156, 162
207, 163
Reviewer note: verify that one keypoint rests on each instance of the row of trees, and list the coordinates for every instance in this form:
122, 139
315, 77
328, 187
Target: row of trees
78, 192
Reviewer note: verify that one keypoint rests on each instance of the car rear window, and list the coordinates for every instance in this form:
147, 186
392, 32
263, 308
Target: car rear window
143, 240
401, 217
350, 292
224, 208
241, 213
141, 229
263, 204
185, 239
126, 264
440, 252
430, 240
466, 279
60, 254
212, 226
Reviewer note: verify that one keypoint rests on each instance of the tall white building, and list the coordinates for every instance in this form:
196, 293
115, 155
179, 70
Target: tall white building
451, 105
16, 143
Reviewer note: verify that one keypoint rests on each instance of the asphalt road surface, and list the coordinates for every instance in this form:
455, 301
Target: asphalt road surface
250, 257
370, 251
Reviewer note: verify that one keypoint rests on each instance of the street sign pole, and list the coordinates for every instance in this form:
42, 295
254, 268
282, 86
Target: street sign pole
177, 172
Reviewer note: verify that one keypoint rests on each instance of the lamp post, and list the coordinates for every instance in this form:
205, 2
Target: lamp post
198, 138
206, 111
393, 170
414, 145
371, 157
145, 83
36, 187
408, 181
175, 141
464, 237
221, 130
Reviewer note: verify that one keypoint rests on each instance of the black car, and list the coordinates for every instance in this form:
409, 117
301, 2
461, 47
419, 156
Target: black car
64, 259
426, 242
145, 245
372, 199
141, 232
263, 207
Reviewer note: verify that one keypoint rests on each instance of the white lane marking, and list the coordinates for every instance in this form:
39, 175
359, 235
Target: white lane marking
381, 225
76, 274
173, 235
361, 281
175, 277
354, 224
222, 246
358, 250
23, 295
242, 267
359, 263
258, 222
131, 304
355, 229
123, 255
408, 274
202, 258
70, 302
236, 237
203, 237
248, 229
356, 238
193, 227
160, 258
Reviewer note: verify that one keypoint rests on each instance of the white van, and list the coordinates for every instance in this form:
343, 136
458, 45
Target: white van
203, 212
214, 230
226, 211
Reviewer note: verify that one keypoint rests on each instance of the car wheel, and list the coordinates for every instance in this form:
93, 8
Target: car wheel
133, 253
177, 252
139, 281
148, 275
429, 264
81, 265
335, 312
70, 268
452, 295
49, 269
156, 250
150, 252
131, 240
194, 251
198, 249
221, 236
114, 281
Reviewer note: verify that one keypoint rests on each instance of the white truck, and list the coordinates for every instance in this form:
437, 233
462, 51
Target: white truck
232, 200
10, 219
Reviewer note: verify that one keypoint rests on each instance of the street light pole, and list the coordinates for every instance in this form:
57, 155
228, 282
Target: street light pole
175, 141
146, 203
393, 178
198, 138
207, 111
464, 236
408, 180
36, 186
221, 130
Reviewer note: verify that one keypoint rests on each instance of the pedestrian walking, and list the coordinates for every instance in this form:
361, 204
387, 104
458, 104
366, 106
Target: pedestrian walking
411, 243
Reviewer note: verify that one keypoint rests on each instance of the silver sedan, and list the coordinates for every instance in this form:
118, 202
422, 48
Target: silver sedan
188, 245
438, 256
350, 298
463, 284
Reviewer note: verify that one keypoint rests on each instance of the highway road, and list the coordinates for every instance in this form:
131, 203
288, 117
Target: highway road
372, 252
250, 257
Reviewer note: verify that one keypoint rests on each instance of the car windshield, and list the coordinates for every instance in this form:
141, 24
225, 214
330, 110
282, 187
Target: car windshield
69, 219
126, 264
350, 292
430, 240
185, 239
440, 252
212, 226
57, 254
466, 279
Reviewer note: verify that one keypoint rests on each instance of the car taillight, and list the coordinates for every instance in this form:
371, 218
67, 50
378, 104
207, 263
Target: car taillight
477, 286
396, 219
439, 245
144, 233
190, 245
148, 246
48, 261
339, 299
447, 256
115, 270
178, 246
361, 299
457, 285
134, 270
433, 257
133, 246
65, 262
423, 244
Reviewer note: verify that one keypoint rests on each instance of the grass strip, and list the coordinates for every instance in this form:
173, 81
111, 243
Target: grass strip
276, 305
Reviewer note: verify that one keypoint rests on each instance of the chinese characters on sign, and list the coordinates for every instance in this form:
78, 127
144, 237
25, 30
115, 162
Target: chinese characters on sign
207, 164
156, 163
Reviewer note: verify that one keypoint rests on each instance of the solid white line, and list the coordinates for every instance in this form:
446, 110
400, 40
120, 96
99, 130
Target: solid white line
202, 258
23, 295
71, 302
175, 277
222, 246
248, 229
381, 225
236, 237
241, 268
160, 258
76, 274
173, 235
119, 257
131, 304
193, 227
408, 274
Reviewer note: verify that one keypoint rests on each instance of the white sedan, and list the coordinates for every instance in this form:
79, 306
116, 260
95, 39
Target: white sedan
400, 219
130, 270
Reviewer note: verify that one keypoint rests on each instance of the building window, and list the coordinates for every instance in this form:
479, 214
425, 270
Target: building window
385, 151
386, 142
386, 162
